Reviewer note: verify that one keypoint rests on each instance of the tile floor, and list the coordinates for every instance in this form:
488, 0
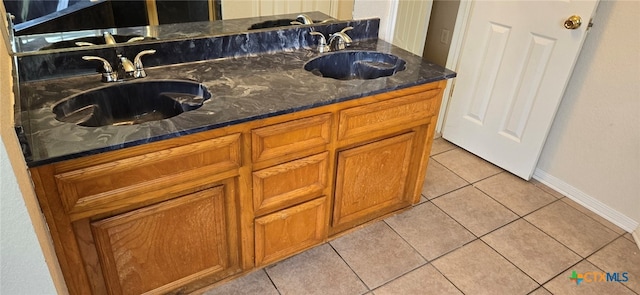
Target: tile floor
479, 230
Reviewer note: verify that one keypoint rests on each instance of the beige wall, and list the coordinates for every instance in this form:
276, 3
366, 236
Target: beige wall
593, 149
28, 261
443, 17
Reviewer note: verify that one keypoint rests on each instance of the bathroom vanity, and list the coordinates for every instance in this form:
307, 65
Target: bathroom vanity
275, 161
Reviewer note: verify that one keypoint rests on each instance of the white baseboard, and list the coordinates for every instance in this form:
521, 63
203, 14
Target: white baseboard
589, 202
636, 236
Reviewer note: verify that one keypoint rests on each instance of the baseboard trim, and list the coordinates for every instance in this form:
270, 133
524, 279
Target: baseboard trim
636, 236
589, 202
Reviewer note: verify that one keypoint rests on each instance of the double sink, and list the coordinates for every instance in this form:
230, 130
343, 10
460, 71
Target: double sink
139, 101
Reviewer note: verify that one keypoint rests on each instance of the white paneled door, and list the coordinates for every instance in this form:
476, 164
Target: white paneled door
515, 61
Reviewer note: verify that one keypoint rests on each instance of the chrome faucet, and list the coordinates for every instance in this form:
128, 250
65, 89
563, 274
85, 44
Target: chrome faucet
340, 40
126, 69
306, 20
108, 75
137, 63
322, 43
108, 38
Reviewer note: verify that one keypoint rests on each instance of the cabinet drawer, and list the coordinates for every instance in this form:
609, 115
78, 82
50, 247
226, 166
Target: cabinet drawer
123, 180
388, 116
289, 231
290, 140
290, 183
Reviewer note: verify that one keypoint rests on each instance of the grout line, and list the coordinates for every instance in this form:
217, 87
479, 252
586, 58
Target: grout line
349, 266
514, 265
271, 280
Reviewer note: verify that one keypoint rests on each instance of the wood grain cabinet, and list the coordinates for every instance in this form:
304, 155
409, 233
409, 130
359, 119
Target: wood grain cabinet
176, 215
291, 191
372, 180
158, 247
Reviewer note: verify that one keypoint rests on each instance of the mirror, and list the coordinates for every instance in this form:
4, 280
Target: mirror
46, 25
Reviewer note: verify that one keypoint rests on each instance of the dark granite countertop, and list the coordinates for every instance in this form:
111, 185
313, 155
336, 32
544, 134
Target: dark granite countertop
242, 88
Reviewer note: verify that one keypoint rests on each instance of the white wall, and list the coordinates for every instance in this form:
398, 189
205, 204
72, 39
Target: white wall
23, 269
593, 149
384, 9
24, 240
443, 17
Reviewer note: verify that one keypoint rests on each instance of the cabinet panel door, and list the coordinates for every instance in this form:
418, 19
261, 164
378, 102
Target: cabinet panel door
165, 245
291, 230
371, 180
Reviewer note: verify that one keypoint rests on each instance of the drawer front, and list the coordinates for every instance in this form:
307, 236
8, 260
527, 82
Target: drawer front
89, 188
289, 231
388, 116
290, 140
290, 183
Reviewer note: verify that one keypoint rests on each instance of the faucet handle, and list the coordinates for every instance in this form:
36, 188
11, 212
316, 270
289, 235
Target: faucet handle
108, 38
306, 20
343, 40
108, 75
137, 63
84, 44
322, 43
135, 39
346, 29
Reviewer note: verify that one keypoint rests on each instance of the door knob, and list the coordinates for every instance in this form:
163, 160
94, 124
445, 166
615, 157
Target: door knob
573, 22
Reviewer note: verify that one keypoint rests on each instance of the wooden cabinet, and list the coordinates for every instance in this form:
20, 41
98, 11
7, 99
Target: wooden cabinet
288, 231
176, 215
284, 190
156, 218
157, 247
283, 185
372, 180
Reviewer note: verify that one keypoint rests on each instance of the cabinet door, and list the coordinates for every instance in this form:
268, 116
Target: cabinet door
291, 230
163, 246
372, 181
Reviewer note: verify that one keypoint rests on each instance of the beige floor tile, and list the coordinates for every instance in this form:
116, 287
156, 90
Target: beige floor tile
256, 282
468, 166
474, 210
563, 285
478, 269
547, 189
316, 271
593, 215
440, 181
629, 237
425, 280
431, 232
531, 250
541, 291
377, 254
620, 256
515, 193
572, 228
440, 145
